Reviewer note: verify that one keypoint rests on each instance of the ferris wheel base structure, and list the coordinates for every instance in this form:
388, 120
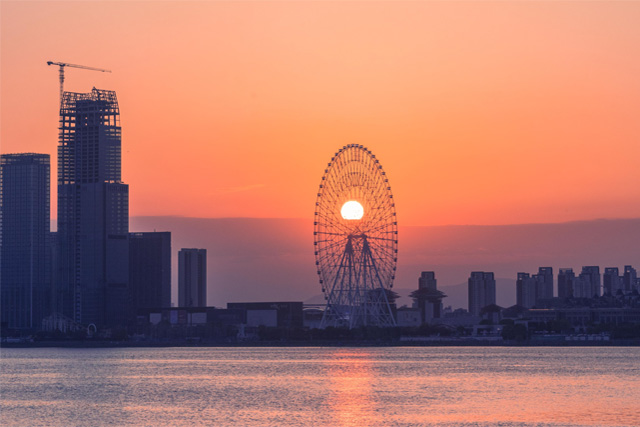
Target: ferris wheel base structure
355, 238
357, 297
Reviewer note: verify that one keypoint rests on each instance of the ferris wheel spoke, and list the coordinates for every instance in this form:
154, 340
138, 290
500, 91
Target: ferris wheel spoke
386, 247
326, 222
381, 239
382, 244
329, 251
381, 224
326, 233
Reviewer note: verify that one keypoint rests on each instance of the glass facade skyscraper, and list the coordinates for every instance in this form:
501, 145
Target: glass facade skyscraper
150, 269
192, 277
25, 269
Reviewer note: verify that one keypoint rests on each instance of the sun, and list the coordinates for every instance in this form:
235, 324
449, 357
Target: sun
352, 210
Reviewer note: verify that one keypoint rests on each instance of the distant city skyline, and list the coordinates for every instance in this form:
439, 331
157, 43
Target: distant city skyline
269, 259
484, 112
440, 175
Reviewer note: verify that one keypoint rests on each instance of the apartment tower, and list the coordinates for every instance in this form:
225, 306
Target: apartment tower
192, 278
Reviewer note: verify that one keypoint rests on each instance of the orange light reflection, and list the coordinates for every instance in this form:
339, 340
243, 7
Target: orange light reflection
352, 387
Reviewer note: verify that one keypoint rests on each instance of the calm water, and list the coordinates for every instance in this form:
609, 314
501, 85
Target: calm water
462, 386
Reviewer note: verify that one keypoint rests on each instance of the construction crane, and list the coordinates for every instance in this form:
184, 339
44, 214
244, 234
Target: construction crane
63, 64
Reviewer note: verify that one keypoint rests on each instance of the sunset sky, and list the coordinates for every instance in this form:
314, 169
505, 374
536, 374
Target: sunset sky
480, 112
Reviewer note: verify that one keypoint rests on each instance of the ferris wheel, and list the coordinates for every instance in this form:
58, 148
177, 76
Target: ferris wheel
356, 240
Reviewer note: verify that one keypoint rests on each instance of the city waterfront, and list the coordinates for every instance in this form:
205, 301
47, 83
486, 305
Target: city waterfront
425, 386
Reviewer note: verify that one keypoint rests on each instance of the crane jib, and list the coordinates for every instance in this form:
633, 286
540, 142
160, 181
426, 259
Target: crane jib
64, 64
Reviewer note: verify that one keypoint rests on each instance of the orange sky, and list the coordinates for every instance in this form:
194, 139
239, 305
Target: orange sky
480, 112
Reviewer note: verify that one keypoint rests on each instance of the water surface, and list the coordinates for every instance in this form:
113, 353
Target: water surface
425, 386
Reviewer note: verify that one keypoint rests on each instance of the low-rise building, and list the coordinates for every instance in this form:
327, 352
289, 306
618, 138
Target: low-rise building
270, 314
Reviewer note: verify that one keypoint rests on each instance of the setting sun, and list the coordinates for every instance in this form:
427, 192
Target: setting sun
352, 210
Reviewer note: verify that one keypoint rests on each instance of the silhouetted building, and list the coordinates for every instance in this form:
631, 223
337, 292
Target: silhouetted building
93, 211
585, 316
270, 314
530, 289
482, 291
150, 269
582, 286
406, 316
428, 299
630, 278
592, 274
544, 283
25, 270
612, 282
189, 322
525, 290
586, 285
566, 277
192, 278
427, 280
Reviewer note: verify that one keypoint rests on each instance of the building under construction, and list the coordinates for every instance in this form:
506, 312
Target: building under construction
93, 211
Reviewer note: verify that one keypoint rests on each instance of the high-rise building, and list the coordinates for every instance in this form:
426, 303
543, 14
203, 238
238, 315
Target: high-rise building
93, 211
428, 299
544, 283
192, 278
25, 270
612, 282
566, 277
150, 269
592, 273
582, 286
630, 278
427, 280
482, 291
525, 290
531, 289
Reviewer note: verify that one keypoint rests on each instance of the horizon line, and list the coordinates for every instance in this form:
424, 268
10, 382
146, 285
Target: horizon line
400, 225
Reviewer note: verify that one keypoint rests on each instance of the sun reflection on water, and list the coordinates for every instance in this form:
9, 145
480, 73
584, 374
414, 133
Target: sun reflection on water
351, 385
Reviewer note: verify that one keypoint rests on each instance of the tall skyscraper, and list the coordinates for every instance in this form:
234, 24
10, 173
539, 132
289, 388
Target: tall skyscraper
25, 270
482, 291
566, 279
150, 269
630, 278
525, 290
530, 289
93, 211
192, 278
544, 283
582, 286
592, 273
612, 282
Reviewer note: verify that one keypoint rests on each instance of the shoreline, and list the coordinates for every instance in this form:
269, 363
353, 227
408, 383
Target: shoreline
284, 344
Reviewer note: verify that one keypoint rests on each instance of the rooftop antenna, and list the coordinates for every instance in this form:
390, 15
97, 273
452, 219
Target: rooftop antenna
64, 64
